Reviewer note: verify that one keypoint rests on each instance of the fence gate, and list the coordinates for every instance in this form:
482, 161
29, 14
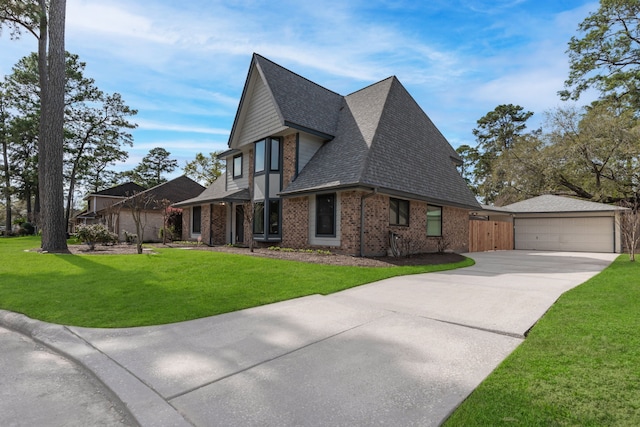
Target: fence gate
490, 236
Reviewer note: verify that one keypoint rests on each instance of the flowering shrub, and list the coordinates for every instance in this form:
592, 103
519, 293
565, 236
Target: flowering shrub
96, 233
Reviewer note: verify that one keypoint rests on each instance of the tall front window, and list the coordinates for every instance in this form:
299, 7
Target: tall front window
258, 218
326, 214
275, 154
434, 221
196, 218
274, 217
398, 212
237, 166
259, 158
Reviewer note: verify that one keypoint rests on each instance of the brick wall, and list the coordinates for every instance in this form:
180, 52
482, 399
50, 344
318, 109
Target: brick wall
295, 222
350, 222
186, 223
288, 159
455, 228
219, 224
205, 223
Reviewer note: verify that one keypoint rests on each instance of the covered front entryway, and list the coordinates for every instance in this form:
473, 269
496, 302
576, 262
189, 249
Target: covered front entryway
239, 224
578, 233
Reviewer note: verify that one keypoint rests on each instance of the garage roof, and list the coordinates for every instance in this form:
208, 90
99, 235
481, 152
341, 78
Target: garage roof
549, 203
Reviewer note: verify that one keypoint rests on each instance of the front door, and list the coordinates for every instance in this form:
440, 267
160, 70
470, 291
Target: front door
239, 224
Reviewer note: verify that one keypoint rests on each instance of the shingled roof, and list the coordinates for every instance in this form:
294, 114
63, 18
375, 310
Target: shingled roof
549, 203
176, 190
216, 193
385, 141
299, 102
122, 190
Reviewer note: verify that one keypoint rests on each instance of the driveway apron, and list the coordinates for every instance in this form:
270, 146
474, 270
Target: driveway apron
402, 351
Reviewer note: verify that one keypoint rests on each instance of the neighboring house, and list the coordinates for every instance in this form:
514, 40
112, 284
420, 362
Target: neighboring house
557, 223
120, 214
318, 169
100, 201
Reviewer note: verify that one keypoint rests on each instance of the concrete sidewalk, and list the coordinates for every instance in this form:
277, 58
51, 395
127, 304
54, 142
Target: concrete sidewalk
403, 351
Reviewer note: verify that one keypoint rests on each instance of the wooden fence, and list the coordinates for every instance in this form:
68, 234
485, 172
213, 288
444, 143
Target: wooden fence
490, 236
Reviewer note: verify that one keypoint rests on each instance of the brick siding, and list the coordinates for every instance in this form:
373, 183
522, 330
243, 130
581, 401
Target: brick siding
288, 159
295, 222
455, 226
219, 224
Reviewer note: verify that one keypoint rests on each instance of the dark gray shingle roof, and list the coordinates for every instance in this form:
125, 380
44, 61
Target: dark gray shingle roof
122, 190
385, 140
549, 203
176, 190
216, 193
301, 102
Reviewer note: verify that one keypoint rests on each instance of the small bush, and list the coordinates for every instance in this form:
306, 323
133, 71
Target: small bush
94, 234
130, 238
28, 228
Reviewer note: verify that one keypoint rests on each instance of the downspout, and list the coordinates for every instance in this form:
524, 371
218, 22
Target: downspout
362, 200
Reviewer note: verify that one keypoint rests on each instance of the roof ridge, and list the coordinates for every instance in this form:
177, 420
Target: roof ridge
367, 159
370, 85
295, 74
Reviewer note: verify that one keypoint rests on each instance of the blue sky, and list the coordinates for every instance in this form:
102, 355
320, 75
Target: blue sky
183, 64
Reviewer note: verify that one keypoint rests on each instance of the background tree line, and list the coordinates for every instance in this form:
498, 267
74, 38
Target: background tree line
96, 136
593, 152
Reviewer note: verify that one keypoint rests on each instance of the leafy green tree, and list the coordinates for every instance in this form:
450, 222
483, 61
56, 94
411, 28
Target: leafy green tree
595, 153
96, 133
204, 169
470, 157
606, 55
46, 21
496, 133
149, 172
96, 124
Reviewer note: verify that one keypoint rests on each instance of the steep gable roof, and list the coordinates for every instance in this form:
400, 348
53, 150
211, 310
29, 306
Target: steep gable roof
384, 140
298, 102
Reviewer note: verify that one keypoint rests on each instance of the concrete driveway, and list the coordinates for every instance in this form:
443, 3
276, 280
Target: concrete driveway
402, 351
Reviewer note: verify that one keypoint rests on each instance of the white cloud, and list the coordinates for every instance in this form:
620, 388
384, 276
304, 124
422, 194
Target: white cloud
150, 125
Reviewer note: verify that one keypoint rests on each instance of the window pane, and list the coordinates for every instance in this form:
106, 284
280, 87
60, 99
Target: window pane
196, 220
237, 166
259, 156
274, 216
325, 214
403, 212
275, 154
434, 221
398, 212
393, 211
258, 218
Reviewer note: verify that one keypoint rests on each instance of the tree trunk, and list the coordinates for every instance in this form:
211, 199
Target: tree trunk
51, 139
6, 170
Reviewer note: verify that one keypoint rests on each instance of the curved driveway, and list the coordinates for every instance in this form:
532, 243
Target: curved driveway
402, 351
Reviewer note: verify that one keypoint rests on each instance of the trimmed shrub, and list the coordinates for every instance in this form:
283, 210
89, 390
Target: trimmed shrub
94, 234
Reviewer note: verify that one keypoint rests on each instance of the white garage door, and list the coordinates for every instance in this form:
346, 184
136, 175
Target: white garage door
565, 234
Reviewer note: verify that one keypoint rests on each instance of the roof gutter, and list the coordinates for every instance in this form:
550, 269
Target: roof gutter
362, 203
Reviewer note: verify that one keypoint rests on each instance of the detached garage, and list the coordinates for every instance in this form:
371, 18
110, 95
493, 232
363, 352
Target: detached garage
555, 223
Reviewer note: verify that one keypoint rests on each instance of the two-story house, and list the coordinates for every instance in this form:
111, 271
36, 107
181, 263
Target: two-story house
320, 170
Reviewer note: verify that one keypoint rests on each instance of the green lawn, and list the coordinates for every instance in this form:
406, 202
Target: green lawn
172, 286
579, 366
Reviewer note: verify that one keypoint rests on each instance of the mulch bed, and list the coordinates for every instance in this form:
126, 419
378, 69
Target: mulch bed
332, 259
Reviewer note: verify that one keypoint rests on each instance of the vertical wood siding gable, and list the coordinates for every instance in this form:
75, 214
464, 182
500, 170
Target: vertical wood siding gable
261, 118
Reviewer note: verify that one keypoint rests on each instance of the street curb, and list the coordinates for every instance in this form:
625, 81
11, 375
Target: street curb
144, 404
